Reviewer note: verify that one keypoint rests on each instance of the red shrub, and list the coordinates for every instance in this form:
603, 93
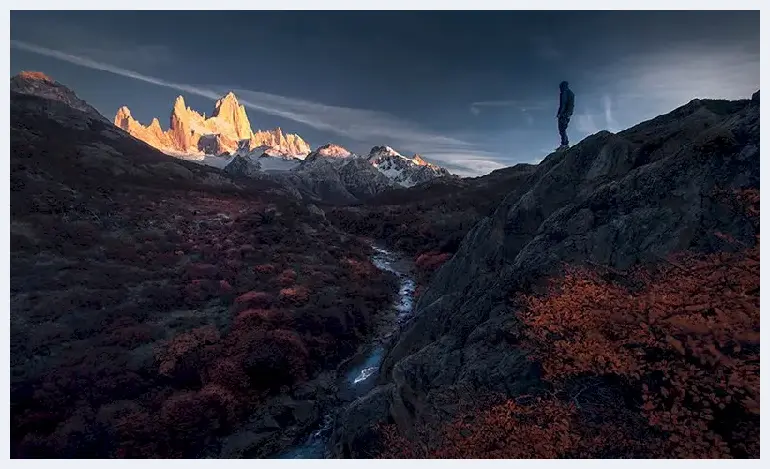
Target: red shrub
687, 337
360, 269
276, 358
185, 345
229, 374
266, 318
253, 299
190, 420
431, 261
288, 277
264, 268
294, 295
545, 429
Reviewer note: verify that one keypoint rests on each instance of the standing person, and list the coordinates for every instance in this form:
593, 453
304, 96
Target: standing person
566, 106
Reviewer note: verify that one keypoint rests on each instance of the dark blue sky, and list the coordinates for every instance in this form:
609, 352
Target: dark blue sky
472, 91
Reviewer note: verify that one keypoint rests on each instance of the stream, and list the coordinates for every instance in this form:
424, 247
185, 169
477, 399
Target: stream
358, 377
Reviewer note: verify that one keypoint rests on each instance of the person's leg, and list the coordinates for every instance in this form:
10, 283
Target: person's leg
563, 122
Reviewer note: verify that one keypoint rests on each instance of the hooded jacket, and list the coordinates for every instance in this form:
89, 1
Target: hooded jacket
566, 100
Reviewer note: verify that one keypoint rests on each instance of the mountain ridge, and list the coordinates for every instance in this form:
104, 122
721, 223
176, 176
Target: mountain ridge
226, 130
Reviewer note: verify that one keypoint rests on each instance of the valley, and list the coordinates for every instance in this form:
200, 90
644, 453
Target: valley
297, 303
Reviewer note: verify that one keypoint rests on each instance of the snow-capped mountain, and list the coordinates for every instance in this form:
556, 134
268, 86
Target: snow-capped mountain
226, 131
331, 154
405, 171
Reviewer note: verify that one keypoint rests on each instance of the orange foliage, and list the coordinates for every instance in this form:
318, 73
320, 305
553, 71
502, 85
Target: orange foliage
544, 428
686, 335
682, 341
505, 431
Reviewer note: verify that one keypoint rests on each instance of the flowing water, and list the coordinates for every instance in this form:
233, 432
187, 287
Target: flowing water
360, 375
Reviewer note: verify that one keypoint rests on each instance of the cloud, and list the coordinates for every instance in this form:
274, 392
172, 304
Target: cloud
372, 127
645, 85
612, 125
523, 106
120, 49
465, 165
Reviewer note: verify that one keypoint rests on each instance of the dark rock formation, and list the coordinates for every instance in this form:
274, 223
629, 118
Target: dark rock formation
613, 199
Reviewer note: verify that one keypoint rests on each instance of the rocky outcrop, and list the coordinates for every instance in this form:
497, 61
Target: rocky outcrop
152, 134
613, 199
241, 166
230, 112
41, 85
363, 180
192, 133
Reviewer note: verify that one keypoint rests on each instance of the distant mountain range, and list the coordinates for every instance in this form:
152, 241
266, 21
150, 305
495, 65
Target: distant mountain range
225, 140
225, 131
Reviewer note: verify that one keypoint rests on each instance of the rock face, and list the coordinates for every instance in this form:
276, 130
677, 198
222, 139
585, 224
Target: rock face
41, 85
241, 166
613, 199
151, 134
405, 171
227, 130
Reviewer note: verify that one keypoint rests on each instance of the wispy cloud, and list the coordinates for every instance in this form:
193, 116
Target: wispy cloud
642, 86
373, 127
612, 125
523, 106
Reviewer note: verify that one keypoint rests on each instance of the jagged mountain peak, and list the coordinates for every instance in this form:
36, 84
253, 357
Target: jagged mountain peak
179, 103
123, 113
383, 150
192, 133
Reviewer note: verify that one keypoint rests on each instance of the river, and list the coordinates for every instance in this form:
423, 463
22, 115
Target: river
358, 378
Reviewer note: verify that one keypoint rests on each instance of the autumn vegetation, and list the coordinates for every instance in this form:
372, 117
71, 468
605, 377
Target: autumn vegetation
149, 323
660, 361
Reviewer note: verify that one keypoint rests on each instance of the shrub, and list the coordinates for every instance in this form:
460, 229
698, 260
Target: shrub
294, 295
253, 299
182, 356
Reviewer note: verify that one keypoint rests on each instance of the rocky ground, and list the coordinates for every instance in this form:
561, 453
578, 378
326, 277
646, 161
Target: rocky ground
614, 200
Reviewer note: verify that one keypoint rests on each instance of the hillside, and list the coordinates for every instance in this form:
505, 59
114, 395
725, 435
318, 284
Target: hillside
157, 304
616, 201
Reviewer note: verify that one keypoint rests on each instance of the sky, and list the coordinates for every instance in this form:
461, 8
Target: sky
473, 91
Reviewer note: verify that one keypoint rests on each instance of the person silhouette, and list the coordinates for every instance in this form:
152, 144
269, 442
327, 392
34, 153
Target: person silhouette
566, 107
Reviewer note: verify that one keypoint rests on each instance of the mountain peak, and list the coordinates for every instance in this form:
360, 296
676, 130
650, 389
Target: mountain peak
124, 111
228, 110
383, 150
32, 75
332, 150
179, 103
41, 85
227, 130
